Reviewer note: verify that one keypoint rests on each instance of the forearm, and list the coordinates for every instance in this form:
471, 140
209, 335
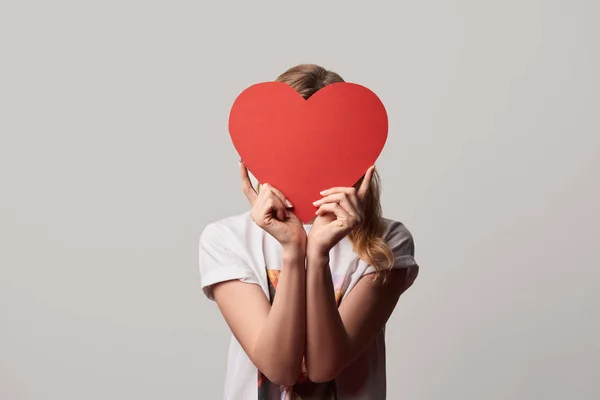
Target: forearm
326, 338
280, 346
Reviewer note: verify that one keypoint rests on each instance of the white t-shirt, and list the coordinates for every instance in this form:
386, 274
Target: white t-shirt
236, 248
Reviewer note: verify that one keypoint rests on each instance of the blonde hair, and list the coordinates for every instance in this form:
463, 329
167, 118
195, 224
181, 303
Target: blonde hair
367, 238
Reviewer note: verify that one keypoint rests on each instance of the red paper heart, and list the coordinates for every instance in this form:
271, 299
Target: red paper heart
303, 146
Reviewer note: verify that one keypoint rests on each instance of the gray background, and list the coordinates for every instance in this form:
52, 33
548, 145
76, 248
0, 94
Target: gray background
115, 154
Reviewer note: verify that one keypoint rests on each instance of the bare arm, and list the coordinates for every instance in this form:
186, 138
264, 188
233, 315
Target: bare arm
335, 337
272, 336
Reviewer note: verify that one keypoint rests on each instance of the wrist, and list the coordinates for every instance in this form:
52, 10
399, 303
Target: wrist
317, 256
294, 253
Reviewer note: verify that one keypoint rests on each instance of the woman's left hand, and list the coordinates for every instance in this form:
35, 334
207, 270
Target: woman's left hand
339, 211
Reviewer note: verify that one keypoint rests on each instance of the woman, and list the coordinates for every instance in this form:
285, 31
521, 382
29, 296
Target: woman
307, 303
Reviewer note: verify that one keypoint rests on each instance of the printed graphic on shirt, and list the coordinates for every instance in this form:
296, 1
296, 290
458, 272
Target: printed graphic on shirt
304, 389
338, 286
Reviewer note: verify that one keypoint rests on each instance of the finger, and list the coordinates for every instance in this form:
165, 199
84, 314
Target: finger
338, 189
279, 194
341, 215
343, 199
274, 205
366, 183
247, 184
349, 191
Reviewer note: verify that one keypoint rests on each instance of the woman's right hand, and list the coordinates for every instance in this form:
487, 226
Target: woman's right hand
270, 211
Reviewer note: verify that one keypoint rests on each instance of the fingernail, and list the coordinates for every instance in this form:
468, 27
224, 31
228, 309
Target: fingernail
323, 193
287, 203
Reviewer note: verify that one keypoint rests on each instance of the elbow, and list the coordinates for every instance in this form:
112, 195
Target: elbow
321, 378
283, 378
327, 368
323, 373
287, 382
280, 372
279, 368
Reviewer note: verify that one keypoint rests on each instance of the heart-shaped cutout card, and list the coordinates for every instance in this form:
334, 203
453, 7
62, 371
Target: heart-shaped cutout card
302, 147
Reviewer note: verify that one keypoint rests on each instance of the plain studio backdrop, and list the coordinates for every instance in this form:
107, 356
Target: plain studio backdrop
115, 154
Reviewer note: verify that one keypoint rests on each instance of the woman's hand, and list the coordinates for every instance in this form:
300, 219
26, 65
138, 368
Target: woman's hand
270, 211
339, 211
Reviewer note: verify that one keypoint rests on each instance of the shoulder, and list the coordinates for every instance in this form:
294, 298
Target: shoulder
394, 227
232, 229
396, 232
224, 252
401, 242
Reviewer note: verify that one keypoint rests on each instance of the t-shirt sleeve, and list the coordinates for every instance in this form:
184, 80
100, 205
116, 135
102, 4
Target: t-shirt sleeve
220, 261
402, 245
